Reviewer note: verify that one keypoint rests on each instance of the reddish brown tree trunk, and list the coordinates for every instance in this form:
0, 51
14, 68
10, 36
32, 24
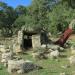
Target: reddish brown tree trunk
64, 37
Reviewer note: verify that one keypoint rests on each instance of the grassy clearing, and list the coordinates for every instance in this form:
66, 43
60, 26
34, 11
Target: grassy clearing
50, 67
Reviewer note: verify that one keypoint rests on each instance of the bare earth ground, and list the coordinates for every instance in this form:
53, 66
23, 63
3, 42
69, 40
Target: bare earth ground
50, 67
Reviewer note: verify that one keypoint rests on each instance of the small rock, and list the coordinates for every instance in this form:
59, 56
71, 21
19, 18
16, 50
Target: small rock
61, 49
43, 46
54, 54
65, 66
63, 73
20, 71
72, 60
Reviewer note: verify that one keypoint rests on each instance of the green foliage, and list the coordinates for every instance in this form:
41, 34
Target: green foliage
36, 16
8, 16
39, 10
71, 3
24, 20
52, 15
2, 5
20, 10
60, 17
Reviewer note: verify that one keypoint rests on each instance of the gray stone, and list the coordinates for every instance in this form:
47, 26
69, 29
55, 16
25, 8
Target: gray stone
54, 54
20, 37
6, 56
29, 66
36, 41
15, 65
72, 60
52, 46
62, 73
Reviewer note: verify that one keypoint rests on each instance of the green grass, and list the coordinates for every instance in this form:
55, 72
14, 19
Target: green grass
3, 70
50, 67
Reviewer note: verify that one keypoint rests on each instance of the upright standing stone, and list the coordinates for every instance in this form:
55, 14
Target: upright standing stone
20, 37
36, 42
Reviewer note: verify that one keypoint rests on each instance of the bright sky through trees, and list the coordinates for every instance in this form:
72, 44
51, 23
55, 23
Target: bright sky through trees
15, 3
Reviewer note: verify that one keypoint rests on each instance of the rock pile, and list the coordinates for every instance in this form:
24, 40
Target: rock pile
55, 47
21, 66
5, 57
17, 65
51, 52
54, 54
14, 65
